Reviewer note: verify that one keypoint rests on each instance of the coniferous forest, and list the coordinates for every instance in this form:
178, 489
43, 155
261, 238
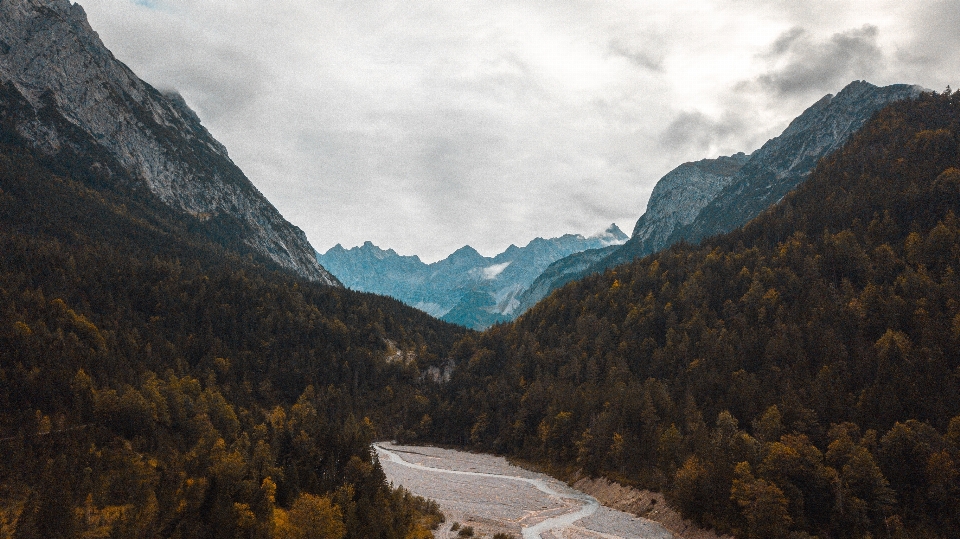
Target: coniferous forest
156, 384
798, 377
795, 378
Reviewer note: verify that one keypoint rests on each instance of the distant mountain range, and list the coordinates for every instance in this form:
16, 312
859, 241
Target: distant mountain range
691, 202
63, 93
712, 196
465, 288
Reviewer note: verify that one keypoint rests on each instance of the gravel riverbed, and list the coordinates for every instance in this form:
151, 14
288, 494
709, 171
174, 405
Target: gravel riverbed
493, 496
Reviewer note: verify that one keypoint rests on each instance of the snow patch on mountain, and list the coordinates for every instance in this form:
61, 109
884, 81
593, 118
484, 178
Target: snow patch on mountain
466, 288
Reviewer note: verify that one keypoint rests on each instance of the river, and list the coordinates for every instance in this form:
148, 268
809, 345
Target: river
493, 496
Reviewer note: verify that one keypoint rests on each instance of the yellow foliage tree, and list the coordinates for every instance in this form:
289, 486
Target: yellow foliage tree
311, 517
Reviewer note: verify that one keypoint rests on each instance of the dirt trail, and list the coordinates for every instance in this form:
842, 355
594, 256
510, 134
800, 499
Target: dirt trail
493, 496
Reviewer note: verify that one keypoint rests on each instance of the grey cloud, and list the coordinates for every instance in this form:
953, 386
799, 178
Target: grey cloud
238, 81
217, 79
593, 207
641, 58
822, 66
504, 78
694, 133
930, 58
785, 41
431, 124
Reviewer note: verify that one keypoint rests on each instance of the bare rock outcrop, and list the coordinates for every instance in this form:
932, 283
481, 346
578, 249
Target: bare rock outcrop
67, 95
680, 196
712, 196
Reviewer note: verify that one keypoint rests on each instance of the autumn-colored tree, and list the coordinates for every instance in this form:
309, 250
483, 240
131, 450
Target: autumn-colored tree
310, 517
762, 504
831, 317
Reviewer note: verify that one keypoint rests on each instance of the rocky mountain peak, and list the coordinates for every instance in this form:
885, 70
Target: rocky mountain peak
376, 252
678, 197
784, 161
67, 95
611, 235
707, 197
712, 196
466, 287
465, 254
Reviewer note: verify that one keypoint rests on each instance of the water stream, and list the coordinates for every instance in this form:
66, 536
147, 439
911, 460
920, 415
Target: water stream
590, 505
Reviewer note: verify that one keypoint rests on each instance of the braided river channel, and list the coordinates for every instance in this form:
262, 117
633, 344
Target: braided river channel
492, 496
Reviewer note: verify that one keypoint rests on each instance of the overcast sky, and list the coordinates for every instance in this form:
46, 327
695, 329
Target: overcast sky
426, 125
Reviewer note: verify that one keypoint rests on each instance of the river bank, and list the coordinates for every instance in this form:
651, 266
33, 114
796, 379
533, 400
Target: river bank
493, 496
643, 503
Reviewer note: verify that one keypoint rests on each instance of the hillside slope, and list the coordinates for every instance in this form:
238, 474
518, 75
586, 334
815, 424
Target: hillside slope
154, 383
65, 94
796, 376
712, 196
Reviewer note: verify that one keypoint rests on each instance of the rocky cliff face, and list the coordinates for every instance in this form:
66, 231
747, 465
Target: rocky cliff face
465, 288
66, 95
785, 161
680, 196
712, 196
763, 177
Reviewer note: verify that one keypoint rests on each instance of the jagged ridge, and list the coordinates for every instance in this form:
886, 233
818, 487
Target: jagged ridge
66, 94
465, 288
712, 196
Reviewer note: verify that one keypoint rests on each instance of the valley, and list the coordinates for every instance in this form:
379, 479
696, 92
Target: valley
694, 201
774, 352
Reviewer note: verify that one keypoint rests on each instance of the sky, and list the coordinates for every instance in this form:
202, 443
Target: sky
426, 125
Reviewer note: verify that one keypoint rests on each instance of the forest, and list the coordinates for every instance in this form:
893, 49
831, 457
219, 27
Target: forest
156, 384
795, 378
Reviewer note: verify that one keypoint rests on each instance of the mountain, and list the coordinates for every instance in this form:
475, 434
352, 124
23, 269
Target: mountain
465, 288
355, 265
159, 375
700, 199
560, 273
676, 201
680, 196
785, 161
796, 377
65, 94
769, 173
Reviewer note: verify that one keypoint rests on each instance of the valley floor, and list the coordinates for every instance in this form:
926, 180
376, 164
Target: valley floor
493, 496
